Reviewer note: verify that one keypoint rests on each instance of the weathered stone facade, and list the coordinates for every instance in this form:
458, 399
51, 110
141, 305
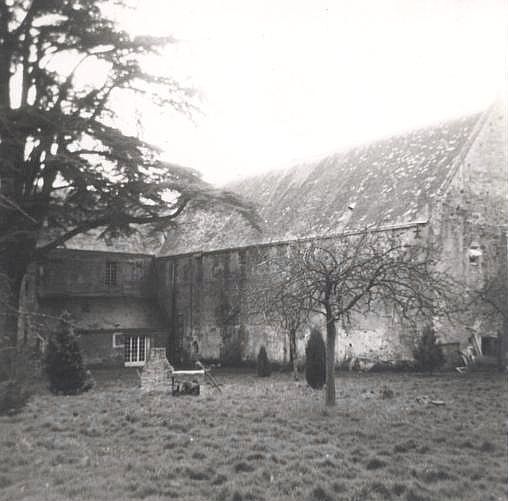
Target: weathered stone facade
446, 185
206, 296
111, 299
471, 218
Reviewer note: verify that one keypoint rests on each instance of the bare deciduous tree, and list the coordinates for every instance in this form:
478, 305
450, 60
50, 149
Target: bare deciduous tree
274, 295
360, 272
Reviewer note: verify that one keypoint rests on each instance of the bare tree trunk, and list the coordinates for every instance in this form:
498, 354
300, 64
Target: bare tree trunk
331, 334
9, 309
292, 353
503, 335
503, 343
14, 262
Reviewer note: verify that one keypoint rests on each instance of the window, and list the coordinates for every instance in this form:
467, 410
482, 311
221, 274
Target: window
489, 346
136, 271
110, 278
136, 349
475, 253
474, 259
195, 347
118, 340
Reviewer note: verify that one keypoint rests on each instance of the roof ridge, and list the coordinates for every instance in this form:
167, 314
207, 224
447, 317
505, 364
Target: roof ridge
481, 121
312, 162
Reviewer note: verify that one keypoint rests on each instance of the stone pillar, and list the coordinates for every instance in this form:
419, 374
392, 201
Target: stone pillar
156, 375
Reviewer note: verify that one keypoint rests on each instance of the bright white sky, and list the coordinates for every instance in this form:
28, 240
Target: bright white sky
283, 81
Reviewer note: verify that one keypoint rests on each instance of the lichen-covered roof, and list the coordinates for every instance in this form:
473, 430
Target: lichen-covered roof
391, 181
138, 243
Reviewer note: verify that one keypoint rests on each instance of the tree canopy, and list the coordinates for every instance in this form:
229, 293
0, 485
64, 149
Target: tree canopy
66, 167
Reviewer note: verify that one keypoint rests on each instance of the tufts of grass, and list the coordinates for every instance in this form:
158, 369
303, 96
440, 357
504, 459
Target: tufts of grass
402, 448
243, 467
320, 494
487, 446
259, 440
375, 464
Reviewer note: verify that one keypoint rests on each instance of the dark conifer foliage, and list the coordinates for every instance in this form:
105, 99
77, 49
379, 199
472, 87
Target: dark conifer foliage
264, 368
315, 360
66, 164
63, 362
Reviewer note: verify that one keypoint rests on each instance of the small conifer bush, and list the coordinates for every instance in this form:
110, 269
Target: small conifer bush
63, 362
13, 396
315, 360
427, 353
263, 364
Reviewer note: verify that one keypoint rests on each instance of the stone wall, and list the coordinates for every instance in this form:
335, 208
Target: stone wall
470, 223
85, 273
203, 294
100, 308
98, 319
156, 375
205, 297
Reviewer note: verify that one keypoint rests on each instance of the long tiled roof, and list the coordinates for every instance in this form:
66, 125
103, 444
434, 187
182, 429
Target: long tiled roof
391, 181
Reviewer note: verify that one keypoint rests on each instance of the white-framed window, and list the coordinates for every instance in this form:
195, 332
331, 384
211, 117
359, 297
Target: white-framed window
136, 349
118, 340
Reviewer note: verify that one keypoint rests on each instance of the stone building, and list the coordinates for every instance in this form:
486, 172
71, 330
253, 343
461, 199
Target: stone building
446, 184
111, 297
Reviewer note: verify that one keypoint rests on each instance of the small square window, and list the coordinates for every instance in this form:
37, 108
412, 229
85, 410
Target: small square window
118, 340
475, 255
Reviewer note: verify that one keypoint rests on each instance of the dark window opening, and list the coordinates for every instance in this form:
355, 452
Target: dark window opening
474, 259
111, 274
475, 253
489, 346
195, 347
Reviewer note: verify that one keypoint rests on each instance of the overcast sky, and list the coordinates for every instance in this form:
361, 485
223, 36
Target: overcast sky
282, 81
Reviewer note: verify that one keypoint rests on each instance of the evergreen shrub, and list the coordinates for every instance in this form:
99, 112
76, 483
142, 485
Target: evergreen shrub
63, 362
315, 360
263, 364
13, 396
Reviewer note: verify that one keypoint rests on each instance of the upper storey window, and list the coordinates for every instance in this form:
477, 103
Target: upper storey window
111, 276
475, 253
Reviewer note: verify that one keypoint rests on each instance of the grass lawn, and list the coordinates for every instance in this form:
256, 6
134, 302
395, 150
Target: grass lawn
262, 439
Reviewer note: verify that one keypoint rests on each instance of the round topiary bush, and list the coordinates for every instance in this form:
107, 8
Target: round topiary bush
263, 364
63, 362
315, 360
